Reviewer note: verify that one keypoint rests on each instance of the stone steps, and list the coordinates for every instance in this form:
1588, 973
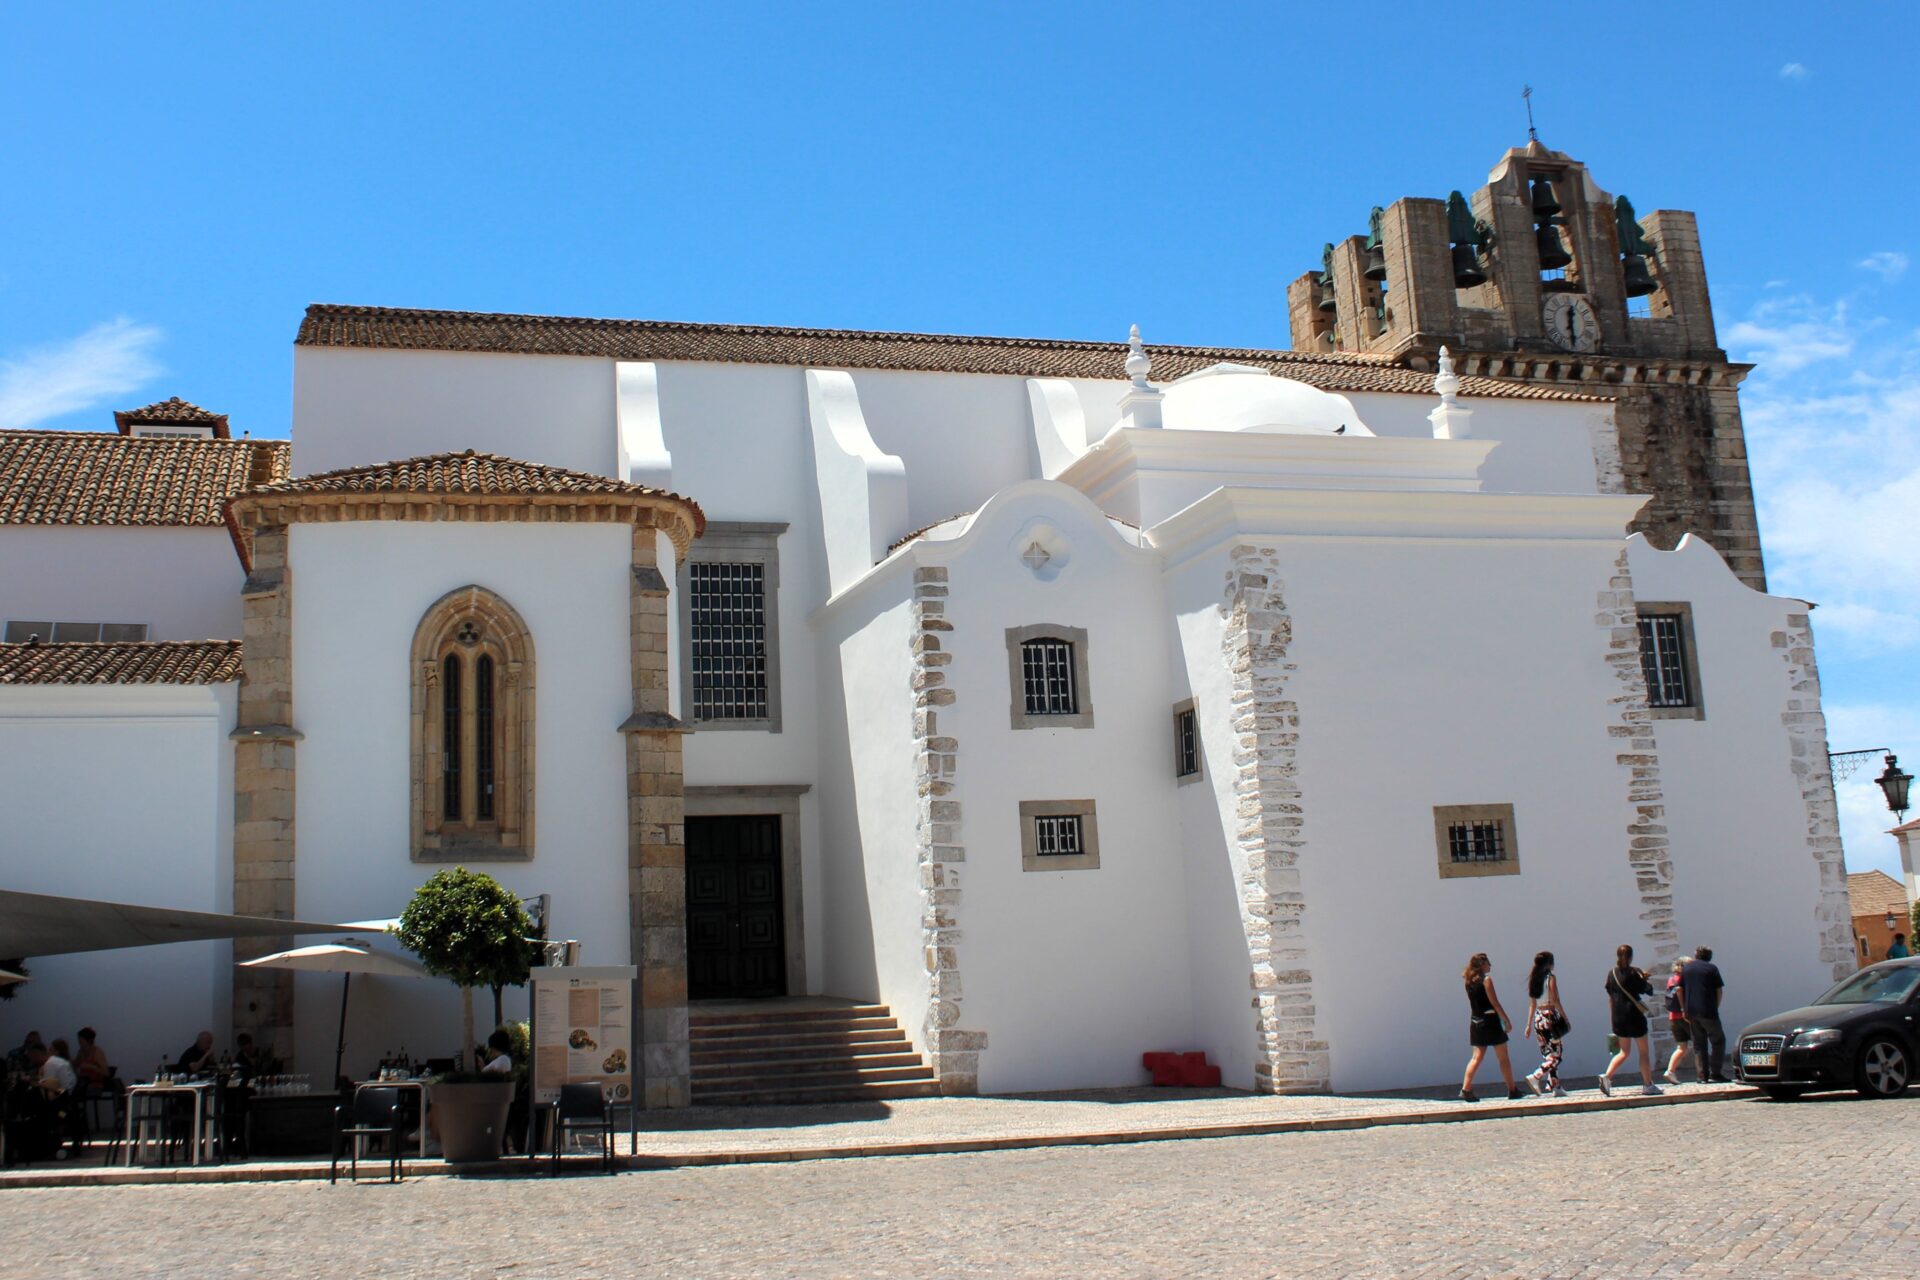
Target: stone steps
746, 1057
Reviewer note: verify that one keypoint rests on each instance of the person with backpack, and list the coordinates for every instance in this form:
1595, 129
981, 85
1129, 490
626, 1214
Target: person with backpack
1676, 1024
1625, 986
1547, 1019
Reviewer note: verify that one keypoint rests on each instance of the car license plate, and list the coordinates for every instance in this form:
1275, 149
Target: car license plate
1752, 1061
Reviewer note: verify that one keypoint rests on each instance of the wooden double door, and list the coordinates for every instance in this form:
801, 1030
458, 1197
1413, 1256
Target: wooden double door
736, 908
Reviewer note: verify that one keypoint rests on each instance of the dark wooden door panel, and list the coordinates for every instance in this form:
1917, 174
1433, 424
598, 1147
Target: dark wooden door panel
736, 943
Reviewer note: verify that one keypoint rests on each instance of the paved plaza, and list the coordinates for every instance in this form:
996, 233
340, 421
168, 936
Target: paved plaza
1736, 1188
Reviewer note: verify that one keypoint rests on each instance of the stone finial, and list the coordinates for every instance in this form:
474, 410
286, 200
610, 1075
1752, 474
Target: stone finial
1446, 382
1449, 420
1139, 363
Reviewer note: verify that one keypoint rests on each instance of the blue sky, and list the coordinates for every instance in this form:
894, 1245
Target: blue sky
181, 180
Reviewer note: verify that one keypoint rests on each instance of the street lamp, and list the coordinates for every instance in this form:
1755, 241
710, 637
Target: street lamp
1892, 782
1895, 784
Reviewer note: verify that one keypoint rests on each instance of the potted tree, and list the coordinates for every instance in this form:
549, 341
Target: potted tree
468, 927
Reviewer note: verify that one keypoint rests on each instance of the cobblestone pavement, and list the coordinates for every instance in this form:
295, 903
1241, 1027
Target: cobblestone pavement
1739, 1188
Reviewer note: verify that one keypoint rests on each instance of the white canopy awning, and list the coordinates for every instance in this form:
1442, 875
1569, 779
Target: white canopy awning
39, 924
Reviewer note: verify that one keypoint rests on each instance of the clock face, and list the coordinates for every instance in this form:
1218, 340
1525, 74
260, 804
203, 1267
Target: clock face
1570, 322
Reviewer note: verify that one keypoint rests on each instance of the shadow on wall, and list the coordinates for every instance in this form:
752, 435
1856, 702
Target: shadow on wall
849, 967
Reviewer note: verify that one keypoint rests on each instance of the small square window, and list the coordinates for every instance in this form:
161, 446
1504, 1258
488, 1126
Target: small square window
1667, 660
1186, 742
1058, 835
1046, 668
1476, 840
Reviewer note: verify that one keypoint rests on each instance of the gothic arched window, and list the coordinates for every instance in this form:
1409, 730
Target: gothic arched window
472, 730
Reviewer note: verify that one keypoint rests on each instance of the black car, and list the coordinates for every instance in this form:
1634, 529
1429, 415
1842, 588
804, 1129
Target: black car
1860, 1035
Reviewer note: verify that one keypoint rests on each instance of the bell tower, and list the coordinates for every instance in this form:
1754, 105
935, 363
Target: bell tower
1544, 277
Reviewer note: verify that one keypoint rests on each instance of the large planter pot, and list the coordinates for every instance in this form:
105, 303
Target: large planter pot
472, 1118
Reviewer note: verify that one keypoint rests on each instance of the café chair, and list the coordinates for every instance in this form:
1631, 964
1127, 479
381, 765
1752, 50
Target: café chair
581, 1108
374, 1113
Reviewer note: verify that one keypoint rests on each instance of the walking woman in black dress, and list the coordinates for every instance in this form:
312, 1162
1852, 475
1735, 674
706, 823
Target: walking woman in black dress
1487, 1026
1625, 987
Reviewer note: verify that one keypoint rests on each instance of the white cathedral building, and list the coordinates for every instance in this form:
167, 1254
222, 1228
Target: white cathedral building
1073, 700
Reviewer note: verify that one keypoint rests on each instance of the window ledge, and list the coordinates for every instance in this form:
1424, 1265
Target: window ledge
472, 849
1677, 713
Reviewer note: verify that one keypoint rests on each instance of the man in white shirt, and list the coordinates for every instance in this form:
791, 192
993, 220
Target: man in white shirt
56, 1074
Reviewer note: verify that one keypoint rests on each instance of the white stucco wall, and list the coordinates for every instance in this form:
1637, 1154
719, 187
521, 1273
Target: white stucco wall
1434, 674
184, 583
868, 886
359, 591
1546, 446
121, 793
357, 406
1745, 882
1071, 974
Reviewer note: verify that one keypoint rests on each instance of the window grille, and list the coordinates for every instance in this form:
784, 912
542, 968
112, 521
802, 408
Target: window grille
1663, 660
1477, 841
1186, 743
1046, 668
728, 622
1057, 835
450, 737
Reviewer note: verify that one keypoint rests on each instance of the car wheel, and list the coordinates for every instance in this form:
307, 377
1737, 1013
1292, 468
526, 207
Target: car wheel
1884, 1070
1782, 1093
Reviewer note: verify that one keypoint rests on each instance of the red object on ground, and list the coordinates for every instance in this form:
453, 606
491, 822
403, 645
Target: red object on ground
1181, 1070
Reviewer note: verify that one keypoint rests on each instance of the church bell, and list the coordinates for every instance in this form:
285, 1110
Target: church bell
1553, 251
1640, 281
1376, 254
1327, 301
1545, 203
1467, 271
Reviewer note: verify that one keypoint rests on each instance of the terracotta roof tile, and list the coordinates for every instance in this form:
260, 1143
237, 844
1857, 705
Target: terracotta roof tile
1874, 893
468, 474
173, 411
94, 478
152, 662
328, 325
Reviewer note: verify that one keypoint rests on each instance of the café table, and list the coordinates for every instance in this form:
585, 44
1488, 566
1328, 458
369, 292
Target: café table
416, 1083
201, 1094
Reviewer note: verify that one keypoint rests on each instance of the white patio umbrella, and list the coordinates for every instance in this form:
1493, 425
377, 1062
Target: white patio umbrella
346, 958
8, 977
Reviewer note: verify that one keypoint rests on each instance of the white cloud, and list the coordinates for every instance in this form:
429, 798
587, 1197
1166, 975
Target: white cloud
1794, 71
1888, 264
1833, 441
1789, 333
107, 360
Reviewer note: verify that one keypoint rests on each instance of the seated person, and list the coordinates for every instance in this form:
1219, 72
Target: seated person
91, 1062
20, 1060
500, 1061
56, 1076
199, 1057
251, 1060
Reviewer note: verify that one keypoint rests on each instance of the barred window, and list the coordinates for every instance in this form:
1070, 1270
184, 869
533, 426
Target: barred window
1663, 660
1047, 670
729, 640
1186, 742
1477, 841
1057, 835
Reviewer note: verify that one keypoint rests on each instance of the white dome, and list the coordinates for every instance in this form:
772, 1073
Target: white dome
1239, 397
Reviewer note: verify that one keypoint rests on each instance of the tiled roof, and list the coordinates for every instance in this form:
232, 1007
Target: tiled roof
327, 325
468, 474
1874, 893
173, 411
153, 662
94, 478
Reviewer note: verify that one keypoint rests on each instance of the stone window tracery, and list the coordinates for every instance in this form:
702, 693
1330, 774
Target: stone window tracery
472, 739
